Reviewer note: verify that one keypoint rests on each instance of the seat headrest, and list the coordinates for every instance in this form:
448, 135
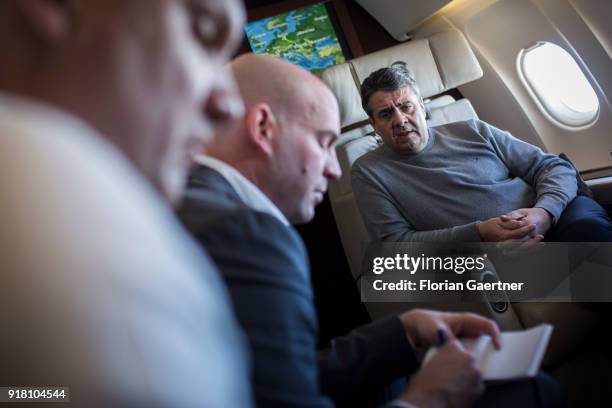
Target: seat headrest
341, 81
438, 63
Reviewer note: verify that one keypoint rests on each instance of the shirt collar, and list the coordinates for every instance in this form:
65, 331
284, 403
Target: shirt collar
36, 114
248, 192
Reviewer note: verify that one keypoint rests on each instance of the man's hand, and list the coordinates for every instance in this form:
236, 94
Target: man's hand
538, 217
422, 326
499, 229
449, 379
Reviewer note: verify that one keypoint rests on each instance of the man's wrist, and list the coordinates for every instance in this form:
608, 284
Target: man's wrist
551, 217
401, 404
479, 231
415, 397
408, 324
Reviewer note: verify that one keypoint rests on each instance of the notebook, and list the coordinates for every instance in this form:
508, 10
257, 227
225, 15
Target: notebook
520, 356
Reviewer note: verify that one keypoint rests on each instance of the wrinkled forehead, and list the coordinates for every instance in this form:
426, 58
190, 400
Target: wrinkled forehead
384, 99
221, 14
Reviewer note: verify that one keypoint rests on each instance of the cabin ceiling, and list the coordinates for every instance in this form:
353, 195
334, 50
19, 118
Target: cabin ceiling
399, 17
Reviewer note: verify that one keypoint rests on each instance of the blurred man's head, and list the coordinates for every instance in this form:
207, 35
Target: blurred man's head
145, 73
393, 102
286, 142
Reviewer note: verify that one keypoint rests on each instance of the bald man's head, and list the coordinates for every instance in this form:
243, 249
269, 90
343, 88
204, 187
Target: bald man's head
286, 142
286, 87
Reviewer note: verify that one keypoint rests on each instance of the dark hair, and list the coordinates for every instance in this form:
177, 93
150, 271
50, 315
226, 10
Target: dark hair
389, 79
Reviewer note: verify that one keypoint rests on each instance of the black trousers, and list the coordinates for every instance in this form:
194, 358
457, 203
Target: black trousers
540, 392
583, 220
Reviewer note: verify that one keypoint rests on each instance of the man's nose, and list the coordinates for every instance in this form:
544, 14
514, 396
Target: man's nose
399, 119
332, 167
224, 103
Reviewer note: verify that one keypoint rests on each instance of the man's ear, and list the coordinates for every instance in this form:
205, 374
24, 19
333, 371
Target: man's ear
262, 126
51, 20
371, 120
424, 108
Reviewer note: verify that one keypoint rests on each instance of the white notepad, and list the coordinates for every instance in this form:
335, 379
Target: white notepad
520, 356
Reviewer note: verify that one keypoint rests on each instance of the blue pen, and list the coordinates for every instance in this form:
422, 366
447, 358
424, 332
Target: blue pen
441, 337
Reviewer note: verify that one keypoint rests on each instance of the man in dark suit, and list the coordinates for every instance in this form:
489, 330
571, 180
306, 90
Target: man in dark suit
267, 172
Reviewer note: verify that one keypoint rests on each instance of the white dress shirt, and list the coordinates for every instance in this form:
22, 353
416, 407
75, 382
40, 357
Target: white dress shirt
101, 290
248, 192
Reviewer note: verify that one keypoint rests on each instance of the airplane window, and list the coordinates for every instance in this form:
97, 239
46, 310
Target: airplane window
558, 85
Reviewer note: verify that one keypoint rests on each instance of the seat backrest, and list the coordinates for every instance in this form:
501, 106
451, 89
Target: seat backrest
438, 63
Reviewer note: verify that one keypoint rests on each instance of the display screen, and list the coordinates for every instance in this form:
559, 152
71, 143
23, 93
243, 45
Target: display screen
305, 37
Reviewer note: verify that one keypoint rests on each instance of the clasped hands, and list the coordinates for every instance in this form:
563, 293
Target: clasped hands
451, 378
525, 225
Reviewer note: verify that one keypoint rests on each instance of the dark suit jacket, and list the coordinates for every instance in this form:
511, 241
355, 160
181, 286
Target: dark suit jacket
265, 266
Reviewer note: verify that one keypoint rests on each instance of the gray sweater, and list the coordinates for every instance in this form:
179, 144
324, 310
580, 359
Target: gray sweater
468, 172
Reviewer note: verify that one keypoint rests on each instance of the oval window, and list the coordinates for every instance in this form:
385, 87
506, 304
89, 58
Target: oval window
558, 85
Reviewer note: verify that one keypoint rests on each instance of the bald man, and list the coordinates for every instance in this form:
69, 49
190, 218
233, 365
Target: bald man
267, 172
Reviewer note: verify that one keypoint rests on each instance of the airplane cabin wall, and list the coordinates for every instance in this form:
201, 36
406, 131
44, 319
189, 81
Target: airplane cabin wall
498, 30
597, 14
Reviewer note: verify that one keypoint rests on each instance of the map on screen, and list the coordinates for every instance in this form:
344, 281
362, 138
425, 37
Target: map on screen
305, 37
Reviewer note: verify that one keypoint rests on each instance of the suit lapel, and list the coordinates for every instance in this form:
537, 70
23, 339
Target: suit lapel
203, 177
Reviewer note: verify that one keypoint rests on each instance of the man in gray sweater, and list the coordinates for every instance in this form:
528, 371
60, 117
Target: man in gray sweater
462, 182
